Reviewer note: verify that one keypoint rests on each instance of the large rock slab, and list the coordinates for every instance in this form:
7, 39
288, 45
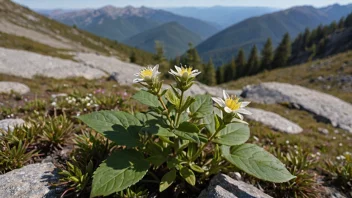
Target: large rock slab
28, 64
8, 87
274, 121
31, 181
124, 72
9, 124
324, 106
223, 186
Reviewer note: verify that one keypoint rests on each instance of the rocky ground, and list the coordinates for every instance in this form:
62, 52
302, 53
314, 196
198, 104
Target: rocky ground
285, 117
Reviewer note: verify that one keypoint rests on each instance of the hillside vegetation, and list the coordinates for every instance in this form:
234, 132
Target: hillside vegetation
256, 30
174, 38
21, 28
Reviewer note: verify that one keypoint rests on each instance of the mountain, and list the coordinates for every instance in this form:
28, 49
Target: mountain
122, 23
24, 29
255, 31
173, 36
220, 15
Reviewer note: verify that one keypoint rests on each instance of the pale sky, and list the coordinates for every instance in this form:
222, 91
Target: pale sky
51, 4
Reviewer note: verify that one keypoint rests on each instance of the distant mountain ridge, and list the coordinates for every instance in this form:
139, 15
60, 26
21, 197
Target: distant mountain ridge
122, 23
222, 46
173, 36
223, 16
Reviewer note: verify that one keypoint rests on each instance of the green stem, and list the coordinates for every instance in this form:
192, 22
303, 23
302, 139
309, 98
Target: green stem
166, 109
179, 111
204, 145
154, 176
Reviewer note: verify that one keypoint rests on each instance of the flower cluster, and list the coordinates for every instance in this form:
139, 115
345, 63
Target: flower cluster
149, 78
184, 76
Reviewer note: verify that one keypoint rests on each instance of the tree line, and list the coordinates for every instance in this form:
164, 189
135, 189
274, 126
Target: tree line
268, 58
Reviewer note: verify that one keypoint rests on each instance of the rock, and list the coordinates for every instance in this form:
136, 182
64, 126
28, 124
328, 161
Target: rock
29, 64
7, 124
31, 181
325, 107
223, 186
332, 192
323, 131
274, 121
59, 95
8, 87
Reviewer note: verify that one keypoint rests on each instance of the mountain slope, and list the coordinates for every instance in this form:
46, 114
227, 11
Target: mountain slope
22, 28
254, 31
122, 23
173, 36
223, 16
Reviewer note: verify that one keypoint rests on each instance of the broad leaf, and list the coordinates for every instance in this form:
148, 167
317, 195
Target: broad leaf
196, 168
167, 180
188, 127
146, 98
157, 160
158, 131
118, 126
121, 170
233, 134
257, 162
188, 175
193, 137
211, 122
202, 106
188, 131
172, 98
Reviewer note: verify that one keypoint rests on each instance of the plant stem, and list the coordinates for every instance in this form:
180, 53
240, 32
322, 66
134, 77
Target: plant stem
179, 111
154, 176
204, 145
165, 108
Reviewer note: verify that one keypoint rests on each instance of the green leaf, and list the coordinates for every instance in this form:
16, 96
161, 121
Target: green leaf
193, 137
121, 170
233, 134
158, 131
118, 126
202, 106
167, 180
188, 127
172, 98
146, 98
191, 150
157, 160
196, 168
211, 123
189, 101
257, 162
188, 175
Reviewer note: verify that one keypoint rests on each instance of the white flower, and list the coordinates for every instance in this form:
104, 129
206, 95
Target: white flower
184, 72
53, 104
232, 105
146, 74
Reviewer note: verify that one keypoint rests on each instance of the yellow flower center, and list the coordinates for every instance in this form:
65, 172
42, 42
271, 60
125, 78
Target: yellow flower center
185, 70
233, 104
146, 73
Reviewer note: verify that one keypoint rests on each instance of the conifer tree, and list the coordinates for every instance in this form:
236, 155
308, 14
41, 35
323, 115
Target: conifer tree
341, 23
160, 58
133, 58
193, 60
228, 73
267, 55
348, 21
209, 74
306, 37
282, 52
253, 62
220, 75
240, 63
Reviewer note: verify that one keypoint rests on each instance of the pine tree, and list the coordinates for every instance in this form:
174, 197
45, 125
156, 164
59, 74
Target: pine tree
220, 75
267, 55
341, 23
306, 37
160, 59
240, 63
210, 74
348, 21
253, 62
228, 73
234, 68
193, 60
282, 52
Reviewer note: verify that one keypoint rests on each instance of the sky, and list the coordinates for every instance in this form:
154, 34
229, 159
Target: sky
74, 4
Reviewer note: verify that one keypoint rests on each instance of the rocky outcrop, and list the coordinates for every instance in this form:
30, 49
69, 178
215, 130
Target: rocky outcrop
223, 186
274, 121
9, 124
8, 87
31, 181
28, 64
325, 107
